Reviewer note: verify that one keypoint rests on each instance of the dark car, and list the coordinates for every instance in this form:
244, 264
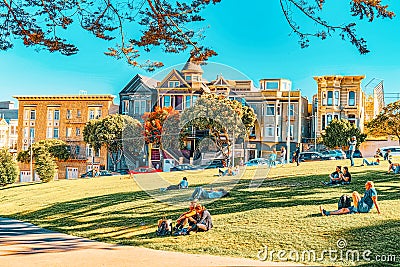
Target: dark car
215, 163
357, 154
123, 171
337, 154
184, 167
100, 173
313, 156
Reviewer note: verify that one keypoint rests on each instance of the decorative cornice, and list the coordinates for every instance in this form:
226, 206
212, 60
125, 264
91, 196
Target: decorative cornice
66, 98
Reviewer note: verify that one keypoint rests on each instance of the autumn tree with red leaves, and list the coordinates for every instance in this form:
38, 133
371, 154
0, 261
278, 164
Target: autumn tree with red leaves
161, 127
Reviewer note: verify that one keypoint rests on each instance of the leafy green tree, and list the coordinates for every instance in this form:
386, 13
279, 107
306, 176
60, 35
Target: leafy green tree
109, 132
58, 149
339, 132
387, 122
45, 165
159, 23
221, 117
8, 168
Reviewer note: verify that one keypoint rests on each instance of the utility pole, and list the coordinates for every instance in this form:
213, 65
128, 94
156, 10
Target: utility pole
315, 124
31, 162
288, 130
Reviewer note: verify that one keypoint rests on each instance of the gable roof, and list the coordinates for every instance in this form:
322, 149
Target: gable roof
173, 74
220, 81
140, 83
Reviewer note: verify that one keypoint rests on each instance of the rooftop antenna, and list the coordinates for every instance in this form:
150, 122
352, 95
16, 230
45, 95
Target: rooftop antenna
82, 92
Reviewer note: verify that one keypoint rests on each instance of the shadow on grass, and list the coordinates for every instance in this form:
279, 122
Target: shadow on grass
125, 218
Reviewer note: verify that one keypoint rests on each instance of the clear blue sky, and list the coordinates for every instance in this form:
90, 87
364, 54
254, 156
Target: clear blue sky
253, 39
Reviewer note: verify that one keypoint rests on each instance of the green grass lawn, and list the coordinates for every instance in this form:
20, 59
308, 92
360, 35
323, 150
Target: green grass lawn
282, 213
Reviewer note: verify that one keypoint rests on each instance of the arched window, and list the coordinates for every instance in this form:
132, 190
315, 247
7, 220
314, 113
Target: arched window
352, 98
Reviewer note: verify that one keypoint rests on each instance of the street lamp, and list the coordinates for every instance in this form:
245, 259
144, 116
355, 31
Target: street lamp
31, 162
315, 123
288, 131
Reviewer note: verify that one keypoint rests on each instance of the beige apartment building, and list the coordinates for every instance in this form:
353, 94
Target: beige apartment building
339, 97
63, 118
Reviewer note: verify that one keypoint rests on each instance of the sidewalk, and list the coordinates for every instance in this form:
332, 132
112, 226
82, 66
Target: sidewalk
24, 244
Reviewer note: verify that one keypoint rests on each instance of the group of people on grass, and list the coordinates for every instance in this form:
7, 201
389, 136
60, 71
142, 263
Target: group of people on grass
338, 177
198, 218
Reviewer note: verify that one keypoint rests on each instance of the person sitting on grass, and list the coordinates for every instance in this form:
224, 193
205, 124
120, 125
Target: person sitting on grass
346, 176
335, 177
228, 172
395, 167
370, 163
204, 220
182, 185
360, 204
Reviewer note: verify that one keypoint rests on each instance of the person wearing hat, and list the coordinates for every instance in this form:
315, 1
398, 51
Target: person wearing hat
352, 148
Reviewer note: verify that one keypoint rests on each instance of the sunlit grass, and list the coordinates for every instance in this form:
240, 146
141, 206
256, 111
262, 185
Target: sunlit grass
282, 213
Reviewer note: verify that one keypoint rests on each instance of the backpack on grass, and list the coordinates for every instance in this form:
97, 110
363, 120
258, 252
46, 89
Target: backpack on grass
164, 227
344, 202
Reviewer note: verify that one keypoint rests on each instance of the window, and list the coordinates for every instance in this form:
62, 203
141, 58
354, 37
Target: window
323, 124
55, 133
32, 133
78, 131
328, 119
173, 84
336, 117
278, 109
291, 111
56, 115
69, 114
68, 132
330, 98
91, 114
97, 154
25, 147
78, 113
33, 115
26, 114
272, 85
336, 98
49, 115
188, 78
278, 131
270, 110
125, 106
167, 101
291, 130
187, 101
194, 99
139, 106
196, 78
26, 132
77, 150
98, 116
49, 132
352, 119
269, 131
323, 98
352, 98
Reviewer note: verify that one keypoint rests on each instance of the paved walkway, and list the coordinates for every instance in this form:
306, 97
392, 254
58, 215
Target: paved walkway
24, 244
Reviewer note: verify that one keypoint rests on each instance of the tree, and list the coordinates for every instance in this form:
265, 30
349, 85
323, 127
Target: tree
221, 117
387, 122
45, 165
58, 149
109, 132
8, 168
159, 23
161, 127
339, 132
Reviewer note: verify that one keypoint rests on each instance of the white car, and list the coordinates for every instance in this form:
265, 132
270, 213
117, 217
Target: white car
256, 162
394, 150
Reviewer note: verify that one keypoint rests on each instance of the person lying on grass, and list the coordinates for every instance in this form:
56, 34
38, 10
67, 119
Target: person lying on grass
200, 193
335, 177
360, 204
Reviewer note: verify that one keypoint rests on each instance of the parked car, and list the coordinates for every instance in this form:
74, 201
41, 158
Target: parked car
394, 150
314, 156
143, 169
123, 171
100, 173
185, 167
256, 162
357, 154
215, 163
337, 153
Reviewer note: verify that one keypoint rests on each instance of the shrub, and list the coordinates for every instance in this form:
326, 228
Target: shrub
45, 166
8, 168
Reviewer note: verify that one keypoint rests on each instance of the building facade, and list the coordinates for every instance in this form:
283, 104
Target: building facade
8, 126
63, 118
338, 97
272, 103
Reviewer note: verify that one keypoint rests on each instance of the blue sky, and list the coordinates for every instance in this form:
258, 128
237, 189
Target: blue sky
254, 39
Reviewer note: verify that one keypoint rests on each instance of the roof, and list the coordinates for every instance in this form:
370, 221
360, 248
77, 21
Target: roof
65, 97
191, 66
9, 114
139, 83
